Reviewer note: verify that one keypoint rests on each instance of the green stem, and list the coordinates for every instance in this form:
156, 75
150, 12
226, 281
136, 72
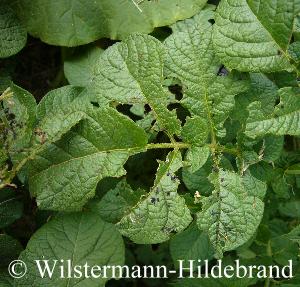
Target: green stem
269, 253
174, 145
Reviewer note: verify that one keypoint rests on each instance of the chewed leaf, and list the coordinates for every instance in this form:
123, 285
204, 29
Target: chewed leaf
284, 120
191, 58
132, 72
162, 211
253, 35
20, 112
230, 215
97, 148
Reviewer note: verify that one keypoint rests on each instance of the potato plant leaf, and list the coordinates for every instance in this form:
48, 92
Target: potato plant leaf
230, 215
283, 120
73, 23
88, 240
132, 72
192, 60
11, 208
13, 34
97, 148
162, 211
253, 35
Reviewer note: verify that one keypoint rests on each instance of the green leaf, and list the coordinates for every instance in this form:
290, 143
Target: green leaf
283, 121
294, 235
196, 157
195, 131
58, 112
294, 51
13, 35
10, 249
230, 215
293, 169
132, 72
32, 128
290, 209
191, 59
5, 279
20, 113
254, 186
11, 208
80, 237
97, 148
262, 90
80, 64
117, 202
253, 35
272, 148
156, 216
191, 244
73, 23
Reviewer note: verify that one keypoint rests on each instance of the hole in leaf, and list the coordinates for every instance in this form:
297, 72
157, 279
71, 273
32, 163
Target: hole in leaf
125, 110
177, 91
95, 104
223, 71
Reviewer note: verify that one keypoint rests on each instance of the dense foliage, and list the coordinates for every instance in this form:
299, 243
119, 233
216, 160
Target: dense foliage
151, 144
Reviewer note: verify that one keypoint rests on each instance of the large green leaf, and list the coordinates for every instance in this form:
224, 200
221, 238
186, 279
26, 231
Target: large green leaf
230, 215
10, 249
64, 176
191, 244
207, 94
32, 128
162, 211
80, 63
5, 279
253, 35
79, 237
13, 35
116, 202
132, 72
11, 208
73, 22
262, 90
20, 114
285, 118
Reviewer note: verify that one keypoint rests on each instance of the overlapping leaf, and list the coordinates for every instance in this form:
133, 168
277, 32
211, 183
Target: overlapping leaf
82, 238
207, 94
65, 175
75, 22
253, 35
162, 211
230, 215
13, 35
132, 72
285, 118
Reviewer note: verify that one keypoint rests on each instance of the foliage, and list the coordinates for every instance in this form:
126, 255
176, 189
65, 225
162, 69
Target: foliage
182, 144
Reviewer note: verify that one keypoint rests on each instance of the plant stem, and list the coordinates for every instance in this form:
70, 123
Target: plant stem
175, 145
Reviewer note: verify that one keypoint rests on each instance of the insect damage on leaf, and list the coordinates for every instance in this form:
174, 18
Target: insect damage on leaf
149, 149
